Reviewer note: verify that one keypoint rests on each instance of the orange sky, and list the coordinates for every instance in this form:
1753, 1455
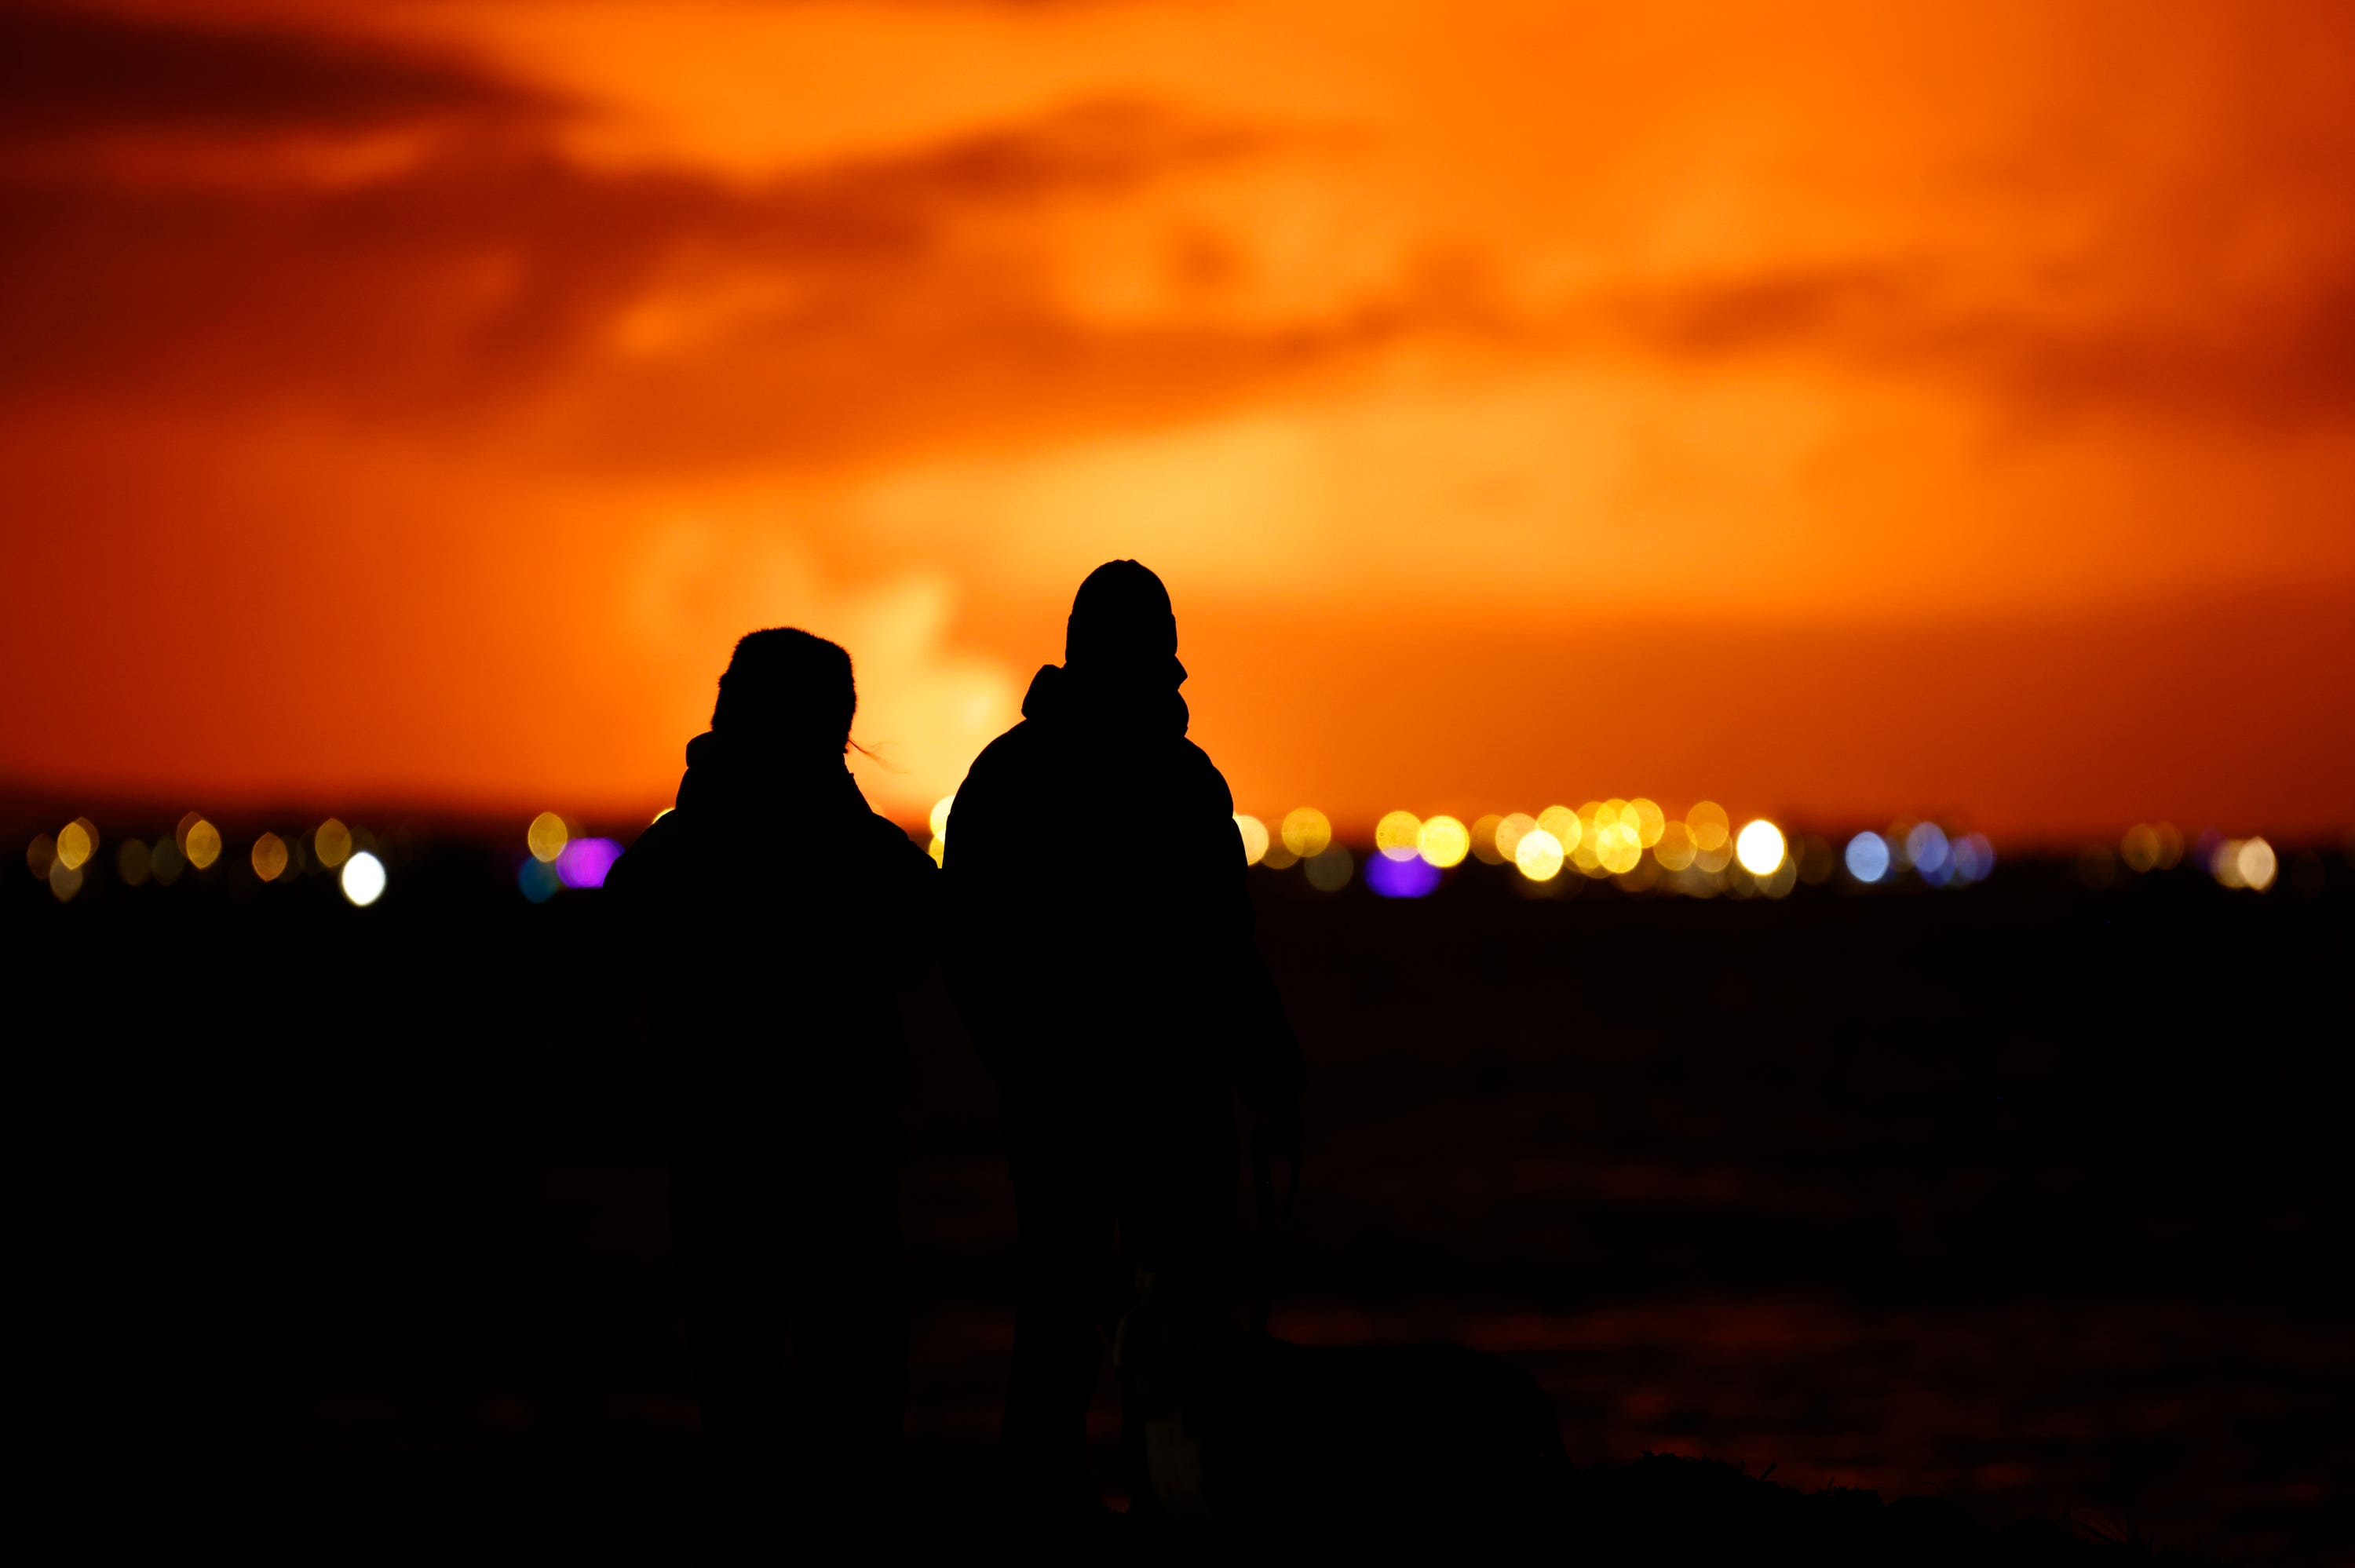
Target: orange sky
1835, 410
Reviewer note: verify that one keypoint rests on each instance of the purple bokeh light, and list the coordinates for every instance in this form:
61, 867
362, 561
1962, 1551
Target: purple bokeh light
585, 861
1401, 878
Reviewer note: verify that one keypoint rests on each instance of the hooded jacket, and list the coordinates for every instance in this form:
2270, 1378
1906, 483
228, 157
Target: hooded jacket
1102, 937
773, 916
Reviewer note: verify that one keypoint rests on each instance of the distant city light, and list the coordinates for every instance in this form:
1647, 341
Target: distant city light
65, 881
538, 879
166, 861
133, 862
1254, 836
2245, 864
1392, 878
1329, 870
201, 843
1444, 842
1973, 857
1925, 846
1647, 818
268, 857
1617, 846
363, 879
546, 836
1395, 834
585, 861
1484, 847
1305, 833
1868, 856
1674, 850
1563, 824
1539, 855
1760, 848
39, 856
1510, 831
939, 818
332, 842
76, 841
1710, 826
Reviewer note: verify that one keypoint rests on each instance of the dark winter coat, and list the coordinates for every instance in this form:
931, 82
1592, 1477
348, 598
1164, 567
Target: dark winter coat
1101, 943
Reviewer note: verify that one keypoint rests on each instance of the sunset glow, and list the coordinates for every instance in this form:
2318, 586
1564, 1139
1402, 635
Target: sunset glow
1837, 408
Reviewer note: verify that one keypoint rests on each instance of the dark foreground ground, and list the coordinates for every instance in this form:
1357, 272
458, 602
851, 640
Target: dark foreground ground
341, 1231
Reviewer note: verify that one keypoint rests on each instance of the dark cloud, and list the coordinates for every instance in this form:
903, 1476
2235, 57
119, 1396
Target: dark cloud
68, 73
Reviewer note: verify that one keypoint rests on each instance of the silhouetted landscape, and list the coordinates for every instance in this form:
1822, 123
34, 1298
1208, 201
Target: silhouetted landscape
347, 1226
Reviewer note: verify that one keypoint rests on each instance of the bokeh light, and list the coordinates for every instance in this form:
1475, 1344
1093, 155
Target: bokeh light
938, 818
133, 862
1925, 846
268, 857
166, 861
1648, 821
76, 841
1392, 878
2256, 862
1868, 856
1329, 870
363, 879
332, 842
1973, 857
2139, 848
585, 861
1565, 827
1305, 833
65, 881
1510, 831
201, 843
546, 836
1617, 847
1674, 850
1444, 842
1760, 848
1484, 840
1396, 834
538, 879
1255, 837
1711, 826
39, 856
1539, 855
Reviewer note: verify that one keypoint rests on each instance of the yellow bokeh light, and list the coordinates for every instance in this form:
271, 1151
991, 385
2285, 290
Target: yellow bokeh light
1395, 834
1710, 826
1254, 832
1615, 810
202, 843
1675, 849
2257, 864
132, 863
1539, 855
332, 844
1305, 833
1616, 847
938, 849
65, 881
1443, 841
940, 816
1760, 848
1484, 847
1563, 824
1510, 831
546, 836
39, 856
2139, 848
76, 841
1329, 872
1650, 821
269, 857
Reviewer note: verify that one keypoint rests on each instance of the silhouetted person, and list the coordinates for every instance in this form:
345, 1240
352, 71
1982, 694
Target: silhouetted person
773, 915
1103, 955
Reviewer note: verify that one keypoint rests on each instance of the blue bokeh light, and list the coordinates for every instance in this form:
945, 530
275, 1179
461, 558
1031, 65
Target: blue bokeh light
1868, 856
538, 879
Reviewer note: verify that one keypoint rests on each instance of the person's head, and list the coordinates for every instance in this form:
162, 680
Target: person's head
1122, 625
788, 690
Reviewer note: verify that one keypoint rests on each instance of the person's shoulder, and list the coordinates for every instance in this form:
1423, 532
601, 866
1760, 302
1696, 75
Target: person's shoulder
1201, 777
1012, 754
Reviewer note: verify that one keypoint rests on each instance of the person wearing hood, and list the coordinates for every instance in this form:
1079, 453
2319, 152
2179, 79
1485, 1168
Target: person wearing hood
771, 916
1102, 953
